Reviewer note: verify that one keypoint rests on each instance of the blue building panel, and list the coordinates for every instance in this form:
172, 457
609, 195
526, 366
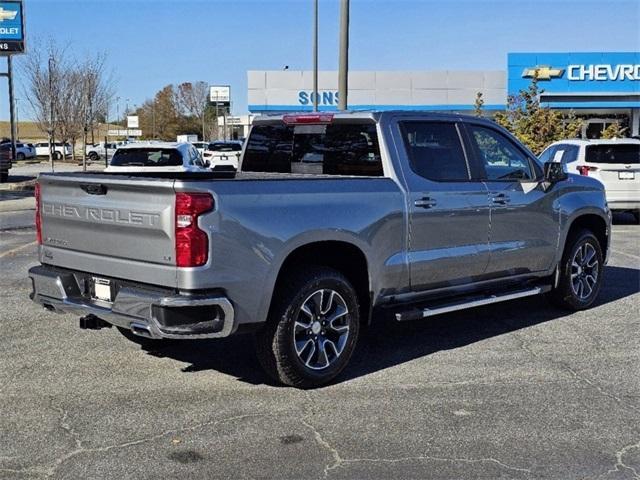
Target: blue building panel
569, 73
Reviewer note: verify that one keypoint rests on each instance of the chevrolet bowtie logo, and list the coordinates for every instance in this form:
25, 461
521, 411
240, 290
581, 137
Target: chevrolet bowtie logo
542, 72
7, 14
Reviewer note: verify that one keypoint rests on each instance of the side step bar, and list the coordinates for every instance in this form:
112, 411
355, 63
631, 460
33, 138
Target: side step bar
418, 313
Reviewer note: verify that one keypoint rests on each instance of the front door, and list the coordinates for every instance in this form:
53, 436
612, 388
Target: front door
448, 210
524, 223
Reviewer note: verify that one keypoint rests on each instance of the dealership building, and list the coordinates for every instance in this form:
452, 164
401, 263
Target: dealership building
599, 87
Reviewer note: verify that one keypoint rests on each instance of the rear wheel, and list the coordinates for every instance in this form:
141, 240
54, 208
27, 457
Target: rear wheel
93, 156
57, 156
312, 329
581, 271
20, 156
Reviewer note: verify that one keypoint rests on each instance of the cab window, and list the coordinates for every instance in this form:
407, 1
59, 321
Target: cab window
500, 157
435, 151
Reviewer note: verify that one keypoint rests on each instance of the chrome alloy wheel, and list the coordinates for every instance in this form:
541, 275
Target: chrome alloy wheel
321, 329
584, 271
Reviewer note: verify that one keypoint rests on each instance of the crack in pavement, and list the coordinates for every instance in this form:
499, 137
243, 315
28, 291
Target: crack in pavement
48, 472
339, 461
619, 463
565, 366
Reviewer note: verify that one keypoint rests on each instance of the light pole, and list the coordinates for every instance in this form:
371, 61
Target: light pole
343, 66
315, 55
17, 119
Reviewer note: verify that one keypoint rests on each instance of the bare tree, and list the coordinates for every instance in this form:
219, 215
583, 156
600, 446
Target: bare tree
44, 80
192, 100
66, 97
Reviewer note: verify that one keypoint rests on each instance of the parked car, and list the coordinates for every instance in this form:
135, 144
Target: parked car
5, 161
60, 150
25, 151
201, 147
410, 213
223, 154
156, 157
97, 151
616, 163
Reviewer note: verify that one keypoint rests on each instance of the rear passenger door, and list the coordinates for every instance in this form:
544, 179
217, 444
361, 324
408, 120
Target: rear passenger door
524, 223
448, 206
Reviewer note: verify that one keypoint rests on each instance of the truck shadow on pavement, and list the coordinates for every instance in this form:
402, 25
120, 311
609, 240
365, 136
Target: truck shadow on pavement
387, 343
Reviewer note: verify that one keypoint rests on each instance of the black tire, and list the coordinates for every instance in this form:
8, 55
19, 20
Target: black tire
278, 342
568, 294
636, 215
57, 156
4, 176
20, 156
144, 342
93, 156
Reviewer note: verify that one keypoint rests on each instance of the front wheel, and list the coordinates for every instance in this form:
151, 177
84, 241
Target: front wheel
581, 271
20, 156
312, 329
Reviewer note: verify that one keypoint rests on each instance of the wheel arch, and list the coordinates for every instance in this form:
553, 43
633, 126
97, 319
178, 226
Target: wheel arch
343, 256
594, 223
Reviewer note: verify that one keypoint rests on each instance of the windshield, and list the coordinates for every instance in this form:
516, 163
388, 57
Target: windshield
224, 147
608, 153
146, 157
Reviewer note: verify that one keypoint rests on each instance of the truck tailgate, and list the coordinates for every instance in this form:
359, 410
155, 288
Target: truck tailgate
109, 225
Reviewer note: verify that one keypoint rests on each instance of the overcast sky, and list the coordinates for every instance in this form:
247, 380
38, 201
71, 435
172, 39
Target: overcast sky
153, 43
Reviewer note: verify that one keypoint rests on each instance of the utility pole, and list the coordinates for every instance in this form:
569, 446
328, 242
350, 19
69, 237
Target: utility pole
12, 107
315, 55
343, 60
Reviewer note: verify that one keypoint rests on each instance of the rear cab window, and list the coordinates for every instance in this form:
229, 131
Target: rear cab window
347, 148
627, 153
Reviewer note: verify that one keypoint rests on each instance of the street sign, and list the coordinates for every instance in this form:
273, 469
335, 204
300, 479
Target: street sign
220, 94
132, 121
11, 27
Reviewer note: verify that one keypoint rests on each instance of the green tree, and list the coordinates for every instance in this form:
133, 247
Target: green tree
533, 124
615, 130
478, 105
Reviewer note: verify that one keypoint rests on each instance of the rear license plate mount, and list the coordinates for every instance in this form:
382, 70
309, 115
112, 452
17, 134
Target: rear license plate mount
102, 289
626, 175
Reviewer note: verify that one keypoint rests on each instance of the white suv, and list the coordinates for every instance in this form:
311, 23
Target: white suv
616, 163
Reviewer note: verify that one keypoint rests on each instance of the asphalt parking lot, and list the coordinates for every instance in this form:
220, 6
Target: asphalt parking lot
519, 390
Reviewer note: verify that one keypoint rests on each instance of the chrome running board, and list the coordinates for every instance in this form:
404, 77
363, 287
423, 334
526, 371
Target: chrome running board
418, 313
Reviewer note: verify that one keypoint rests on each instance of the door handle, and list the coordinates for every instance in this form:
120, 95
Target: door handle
500, 199
425, 202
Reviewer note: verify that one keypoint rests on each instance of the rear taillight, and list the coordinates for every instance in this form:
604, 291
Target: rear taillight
192, 244
38, 221
585, 169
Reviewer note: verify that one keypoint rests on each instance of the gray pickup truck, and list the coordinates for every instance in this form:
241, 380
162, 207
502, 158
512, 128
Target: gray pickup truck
332, 219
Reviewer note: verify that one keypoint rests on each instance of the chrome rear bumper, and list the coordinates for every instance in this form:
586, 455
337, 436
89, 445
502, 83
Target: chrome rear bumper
146, 311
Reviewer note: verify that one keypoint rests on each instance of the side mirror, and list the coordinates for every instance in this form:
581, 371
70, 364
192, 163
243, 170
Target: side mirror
554, 172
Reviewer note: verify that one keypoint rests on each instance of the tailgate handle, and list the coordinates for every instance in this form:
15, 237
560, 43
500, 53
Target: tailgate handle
94, 188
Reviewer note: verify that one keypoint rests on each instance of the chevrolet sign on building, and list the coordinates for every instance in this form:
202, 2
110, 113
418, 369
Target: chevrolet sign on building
601, 88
